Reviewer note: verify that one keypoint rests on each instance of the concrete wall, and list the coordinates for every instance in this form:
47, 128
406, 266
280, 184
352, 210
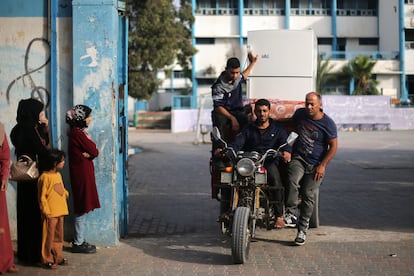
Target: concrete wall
368, 109
25, 55
342, 109
25, 71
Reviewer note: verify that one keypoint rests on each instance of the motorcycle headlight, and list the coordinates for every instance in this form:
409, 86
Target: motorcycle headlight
245, 167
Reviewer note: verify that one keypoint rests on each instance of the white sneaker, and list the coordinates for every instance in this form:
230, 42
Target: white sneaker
300, 238
290, 220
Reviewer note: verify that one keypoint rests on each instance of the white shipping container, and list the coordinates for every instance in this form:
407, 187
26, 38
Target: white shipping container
287, 64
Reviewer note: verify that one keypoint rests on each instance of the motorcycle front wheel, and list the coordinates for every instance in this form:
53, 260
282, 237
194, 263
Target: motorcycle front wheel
241, 235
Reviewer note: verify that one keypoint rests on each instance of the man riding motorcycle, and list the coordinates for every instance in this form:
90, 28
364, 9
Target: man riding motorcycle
261, 135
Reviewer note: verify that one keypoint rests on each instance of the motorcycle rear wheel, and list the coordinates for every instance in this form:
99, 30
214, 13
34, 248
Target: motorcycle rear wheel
241, 235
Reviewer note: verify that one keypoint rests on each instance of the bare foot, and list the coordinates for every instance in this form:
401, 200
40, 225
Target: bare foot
13, 269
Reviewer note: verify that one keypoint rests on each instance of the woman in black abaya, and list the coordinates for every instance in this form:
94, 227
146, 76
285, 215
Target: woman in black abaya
29, 137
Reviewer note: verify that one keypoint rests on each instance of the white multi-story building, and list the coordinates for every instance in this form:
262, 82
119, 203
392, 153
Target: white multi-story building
381, 29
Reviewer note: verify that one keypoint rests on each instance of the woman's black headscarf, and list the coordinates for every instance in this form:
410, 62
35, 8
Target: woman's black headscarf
26, 135
28, 111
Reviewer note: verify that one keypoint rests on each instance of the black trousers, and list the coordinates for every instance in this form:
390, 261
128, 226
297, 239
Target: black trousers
29, 224
276, 193
224, 124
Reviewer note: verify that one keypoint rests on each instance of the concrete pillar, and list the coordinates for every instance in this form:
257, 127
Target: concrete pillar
95, 83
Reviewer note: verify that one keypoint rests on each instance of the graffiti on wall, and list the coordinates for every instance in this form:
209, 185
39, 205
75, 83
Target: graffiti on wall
37, 92
91, 57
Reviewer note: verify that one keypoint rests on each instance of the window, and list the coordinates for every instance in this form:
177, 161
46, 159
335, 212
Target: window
409, 38
206, 3
294, 4
409, 34
341, 43
368, 41
410, 87
272, 4
178, 75
358, 5
324, 41
372, 4
205, 81
205, 40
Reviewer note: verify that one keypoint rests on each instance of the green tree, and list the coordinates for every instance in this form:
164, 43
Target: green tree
322, 73
360, 69
159, 35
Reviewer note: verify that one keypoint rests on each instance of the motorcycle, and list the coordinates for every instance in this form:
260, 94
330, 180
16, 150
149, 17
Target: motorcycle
243, 188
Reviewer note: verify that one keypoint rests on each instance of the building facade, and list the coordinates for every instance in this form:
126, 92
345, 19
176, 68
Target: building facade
380, 29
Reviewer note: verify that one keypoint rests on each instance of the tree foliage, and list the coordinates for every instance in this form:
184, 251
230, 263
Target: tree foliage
322, 73
159, 35
360, 69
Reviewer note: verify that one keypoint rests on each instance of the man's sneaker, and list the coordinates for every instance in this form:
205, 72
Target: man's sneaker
83, 248
290, 220
300, 238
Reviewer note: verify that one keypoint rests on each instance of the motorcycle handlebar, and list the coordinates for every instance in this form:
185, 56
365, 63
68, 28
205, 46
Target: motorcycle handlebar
230, 153
270, 152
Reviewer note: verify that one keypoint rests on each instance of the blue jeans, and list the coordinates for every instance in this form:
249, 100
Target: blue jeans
79, 237
301, 180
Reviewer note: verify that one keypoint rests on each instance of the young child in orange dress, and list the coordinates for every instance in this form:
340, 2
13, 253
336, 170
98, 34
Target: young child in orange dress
53, 206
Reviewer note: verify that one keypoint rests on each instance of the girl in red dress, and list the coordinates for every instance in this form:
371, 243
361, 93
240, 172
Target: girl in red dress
81, 152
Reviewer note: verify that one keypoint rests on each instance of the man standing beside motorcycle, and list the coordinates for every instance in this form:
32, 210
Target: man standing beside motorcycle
312, 151
261, 135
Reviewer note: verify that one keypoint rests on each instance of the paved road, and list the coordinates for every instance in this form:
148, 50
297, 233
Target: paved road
366, 215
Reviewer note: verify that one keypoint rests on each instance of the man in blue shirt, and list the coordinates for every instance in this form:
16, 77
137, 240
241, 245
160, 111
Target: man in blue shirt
261, 135
227, 97
315, 147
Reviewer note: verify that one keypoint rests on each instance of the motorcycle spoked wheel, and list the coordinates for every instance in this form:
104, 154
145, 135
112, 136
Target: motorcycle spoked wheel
241, 235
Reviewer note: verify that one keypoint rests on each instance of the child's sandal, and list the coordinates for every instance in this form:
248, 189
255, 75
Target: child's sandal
64, 262
51, 266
